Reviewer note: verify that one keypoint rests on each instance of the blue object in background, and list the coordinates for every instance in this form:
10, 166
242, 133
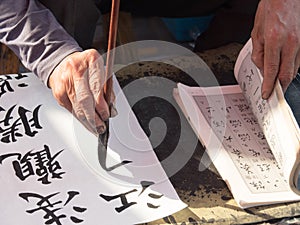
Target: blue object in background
292, 96
187, 28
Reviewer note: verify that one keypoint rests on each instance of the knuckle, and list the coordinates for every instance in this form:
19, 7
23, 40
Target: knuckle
76, 66
70, 62
93, 54
84, 100
273, 35
64, 78
272, 68
92, 51
286, 78
79, 114
293, 39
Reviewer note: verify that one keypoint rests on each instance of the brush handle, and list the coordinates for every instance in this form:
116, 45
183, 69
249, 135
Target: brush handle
112, 37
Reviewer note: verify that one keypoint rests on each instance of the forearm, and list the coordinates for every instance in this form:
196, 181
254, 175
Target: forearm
33, 33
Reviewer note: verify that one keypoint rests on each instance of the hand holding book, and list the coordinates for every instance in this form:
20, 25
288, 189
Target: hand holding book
254, 143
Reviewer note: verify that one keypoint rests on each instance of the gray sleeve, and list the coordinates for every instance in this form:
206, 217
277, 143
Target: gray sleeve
32, 32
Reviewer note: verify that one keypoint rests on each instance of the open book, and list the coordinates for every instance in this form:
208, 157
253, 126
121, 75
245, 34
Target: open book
253, 143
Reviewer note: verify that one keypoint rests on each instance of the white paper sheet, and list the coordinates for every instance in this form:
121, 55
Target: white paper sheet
49, 169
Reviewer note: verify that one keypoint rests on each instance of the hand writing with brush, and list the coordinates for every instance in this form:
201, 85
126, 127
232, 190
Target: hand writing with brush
81, 84
85, 92
77, 83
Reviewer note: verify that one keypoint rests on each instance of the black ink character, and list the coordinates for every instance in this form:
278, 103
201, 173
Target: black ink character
51, 208
210, 109
249, 77
237, 153
5, 86
227, 109
242, 107
228, 138
258, 185
234, 100
246, 167
235, 123
260, 108
39, 163
124, 201
244, 137
250, 120
260, 135
264, 167
11, 128
254, 153
20, 76
126, 204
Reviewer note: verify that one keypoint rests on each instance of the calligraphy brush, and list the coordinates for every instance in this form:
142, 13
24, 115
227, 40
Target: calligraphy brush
112, 37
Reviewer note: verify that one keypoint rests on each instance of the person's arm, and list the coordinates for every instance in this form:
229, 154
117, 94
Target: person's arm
32, 32
44, 47
276, 42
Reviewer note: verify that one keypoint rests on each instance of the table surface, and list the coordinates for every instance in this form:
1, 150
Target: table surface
206, 194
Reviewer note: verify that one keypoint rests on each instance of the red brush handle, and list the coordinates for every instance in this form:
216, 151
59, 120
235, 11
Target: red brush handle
112, 37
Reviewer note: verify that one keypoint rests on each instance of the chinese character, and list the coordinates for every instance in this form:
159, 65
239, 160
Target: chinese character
126, 204
246, 167
264, 167
254, 153
10, 127
237, 153
249, 76
210, 109
39, 163
242, 107
244, 137
257, 185
5, 86
235, 123
250, 120
227, 109
228, 138
51, 208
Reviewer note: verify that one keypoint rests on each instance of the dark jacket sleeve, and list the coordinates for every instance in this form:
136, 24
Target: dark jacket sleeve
32, 32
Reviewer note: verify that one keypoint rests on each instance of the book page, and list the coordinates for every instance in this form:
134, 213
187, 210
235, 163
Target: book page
245, 142
274, 115
242, 155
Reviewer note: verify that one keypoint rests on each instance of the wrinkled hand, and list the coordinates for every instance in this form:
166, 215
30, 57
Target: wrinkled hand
276, 42
77, 84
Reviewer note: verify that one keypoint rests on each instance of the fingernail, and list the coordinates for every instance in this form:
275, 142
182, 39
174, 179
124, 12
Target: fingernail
101, 129
104, 115
113, 111
265, 95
